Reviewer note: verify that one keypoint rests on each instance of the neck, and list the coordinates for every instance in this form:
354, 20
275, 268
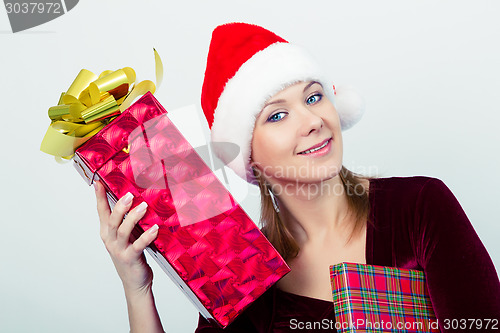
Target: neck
315, 212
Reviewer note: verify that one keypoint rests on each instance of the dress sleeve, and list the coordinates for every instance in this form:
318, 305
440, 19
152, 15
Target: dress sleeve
461, 278
240, 325
204, 326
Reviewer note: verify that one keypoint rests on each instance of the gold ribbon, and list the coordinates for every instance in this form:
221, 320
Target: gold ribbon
90, 103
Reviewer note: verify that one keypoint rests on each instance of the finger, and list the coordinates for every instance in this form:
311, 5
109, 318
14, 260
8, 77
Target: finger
145, 239
102, 202
103, 209
116, 217
125, 229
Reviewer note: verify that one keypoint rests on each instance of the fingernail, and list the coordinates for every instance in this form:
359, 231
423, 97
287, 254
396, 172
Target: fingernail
127, 198
95, 186
153, 229
142, 207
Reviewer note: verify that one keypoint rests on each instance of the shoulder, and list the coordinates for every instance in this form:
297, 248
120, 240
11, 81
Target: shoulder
409, 187
406, 188
404, 183
418, 200
403, 197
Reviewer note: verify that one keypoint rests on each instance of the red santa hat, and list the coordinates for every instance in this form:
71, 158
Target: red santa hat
247, 65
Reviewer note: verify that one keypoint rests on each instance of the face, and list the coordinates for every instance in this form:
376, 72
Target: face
297, 136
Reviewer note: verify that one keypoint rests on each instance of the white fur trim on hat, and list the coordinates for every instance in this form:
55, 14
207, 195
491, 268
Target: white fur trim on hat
262, 76
350, 106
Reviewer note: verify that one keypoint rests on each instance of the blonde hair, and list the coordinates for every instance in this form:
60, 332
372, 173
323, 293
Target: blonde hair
278, 234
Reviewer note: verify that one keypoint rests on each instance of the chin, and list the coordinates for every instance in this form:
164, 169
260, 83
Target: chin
331, 175
321, 175
331, 169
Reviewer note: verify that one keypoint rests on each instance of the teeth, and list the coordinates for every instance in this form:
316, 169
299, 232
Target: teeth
314, 149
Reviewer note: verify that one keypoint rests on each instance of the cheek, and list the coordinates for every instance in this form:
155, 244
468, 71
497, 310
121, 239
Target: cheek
258, 146
334, 114
262, 149
333, 120
269, 147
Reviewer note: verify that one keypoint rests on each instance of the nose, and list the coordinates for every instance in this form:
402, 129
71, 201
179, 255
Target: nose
309, 121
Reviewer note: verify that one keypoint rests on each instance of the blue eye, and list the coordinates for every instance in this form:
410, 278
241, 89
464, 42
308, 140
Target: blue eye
314, 99
276, 117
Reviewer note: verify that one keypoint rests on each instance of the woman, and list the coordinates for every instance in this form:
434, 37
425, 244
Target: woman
269, 97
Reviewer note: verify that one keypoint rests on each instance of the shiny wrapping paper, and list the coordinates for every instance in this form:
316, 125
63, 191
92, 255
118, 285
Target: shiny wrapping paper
370, 298
206, 243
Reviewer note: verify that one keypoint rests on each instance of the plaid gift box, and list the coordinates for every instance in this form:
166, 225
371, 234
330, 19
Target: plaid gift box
206, 243
369, 298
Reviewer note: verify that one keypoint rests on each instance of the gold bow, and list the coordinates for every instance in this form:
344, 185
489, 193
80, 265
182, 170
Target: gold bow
90, 103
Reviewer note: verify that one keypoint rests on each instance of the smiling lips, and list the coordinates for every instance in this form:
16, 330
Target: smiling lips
316, 147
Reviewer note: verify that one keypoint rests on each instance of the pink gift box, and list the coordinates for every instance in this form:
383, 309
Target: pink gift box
206, 242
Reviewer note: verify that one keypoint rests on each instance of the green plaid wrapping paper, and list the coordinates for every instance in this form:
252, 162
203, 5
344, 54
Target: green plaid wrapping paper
369, 298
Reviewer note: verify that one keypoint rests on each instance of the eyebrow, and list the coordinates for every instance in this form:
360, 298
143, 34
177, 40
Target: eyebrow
282, 100
310, 84
273, 102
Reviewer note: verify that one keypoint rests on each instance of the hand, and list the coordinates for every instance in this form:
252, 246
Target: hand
128, 257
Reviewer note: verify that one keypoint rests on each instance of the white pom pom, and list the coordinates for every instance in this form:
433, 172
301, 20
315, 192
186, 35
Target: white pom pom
350, 106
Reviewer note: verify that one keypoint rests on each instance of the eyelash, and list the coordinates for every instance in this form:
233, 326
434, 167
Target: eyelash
319, 95
270, 119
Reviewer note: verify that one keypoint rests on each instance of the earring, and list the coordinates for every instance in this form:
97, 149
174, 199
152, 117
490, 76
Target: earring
273, 199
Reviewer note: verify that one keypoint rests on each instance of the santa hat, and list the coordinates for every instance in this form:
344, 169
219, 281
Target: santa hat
247, 65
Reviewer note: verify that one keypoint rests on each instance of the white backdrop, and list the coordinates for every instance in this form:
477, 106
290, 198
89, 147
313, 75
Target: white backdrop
428, 70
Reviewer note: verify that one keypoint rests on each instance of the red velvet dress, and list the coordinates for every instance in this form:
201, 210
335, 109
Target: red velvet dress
418, 224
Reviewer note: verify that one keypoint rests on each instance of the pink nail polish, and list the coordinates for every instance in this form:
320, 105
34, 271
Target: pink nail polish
153, 229
127, 198
142, 207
